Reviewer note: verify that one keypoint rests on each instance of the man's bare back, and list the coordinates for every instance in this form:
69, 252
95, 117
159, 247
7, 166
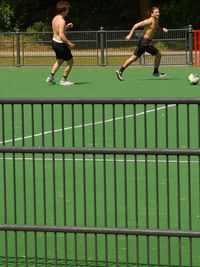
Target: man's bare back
57, 22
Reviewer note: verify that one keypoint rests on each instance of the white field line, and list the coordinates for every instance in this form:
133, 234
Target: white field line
90, 160
85, 125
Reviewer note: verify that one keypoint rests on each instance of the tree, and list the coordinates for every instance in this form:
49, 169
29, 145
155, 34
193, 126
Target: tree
6, 16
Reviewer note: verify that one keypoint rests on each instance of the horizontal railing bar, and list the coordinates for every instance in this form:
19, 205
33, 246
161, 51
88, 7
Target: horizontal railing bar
100, 101
97, 230
109, 151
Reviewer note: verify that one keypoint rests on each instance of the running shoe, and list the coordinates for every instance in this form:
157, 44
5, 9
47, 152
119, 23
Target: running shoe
119, 75
159, 74
50, 80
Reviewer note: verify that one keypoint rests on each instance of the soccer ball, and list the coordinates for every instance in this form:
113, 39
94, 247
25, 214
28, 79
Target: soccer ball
193, 78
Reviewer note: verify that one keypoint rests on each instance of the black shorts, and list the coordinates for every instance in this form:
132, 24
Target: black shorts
62, 51
145, 45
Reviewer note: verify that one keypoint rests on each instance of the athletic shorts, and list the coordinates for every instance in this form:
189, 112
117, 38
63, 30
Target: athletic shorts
145, 45
61, 50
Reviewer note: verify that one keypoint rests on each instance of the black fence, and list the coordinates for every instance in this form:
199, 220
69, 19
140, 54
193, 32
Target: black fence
94, 48
94, 197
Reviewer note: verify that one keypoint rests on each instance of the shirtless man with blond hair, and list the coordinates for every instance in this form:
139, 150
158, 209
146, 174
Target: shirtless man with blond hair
150, 25
60, 43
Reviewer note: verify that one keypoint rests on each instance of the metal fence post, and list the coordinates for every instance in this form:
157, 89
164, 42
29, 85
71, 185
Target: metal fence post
190, 38
18, 47
102, 46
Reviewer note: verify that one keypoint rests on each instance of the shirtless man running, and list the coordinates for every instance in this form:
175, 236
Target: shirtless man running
150, 25
60, 44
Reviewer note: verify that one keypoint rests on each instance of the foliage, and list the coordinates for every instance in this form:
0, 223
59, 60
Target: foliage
11, 15
90, 14
176, 14
7, 17
38, 26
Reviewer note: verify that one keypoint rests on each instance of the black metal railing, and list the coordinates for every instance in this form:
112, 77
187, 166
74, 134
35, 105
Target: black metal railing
94, 48
100, 182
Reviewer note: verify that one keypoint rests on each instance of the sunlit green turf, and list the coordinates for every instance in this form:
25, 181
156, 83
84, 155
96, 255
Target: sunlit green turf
98, 82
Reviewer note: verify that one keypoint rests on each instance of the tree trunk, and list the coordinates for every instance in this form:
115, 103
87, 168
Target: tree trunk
144, 8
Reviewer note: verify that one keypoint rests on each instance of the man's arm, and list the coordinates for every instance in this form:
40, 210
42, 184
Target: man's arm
162, 29
69, 26
62, 28
140, 24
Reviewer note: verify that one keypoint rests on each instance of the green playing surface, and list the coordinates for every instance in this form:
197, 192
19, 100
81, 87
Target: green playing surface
99, 82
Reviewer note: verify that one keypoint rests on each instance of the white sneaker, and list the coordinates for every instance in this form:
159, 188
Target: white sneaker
65, 82
119, 75
50, 80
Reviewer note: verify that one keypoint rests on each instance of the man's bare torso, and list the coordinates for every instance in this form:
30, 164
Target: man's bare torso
150, 28
56, 24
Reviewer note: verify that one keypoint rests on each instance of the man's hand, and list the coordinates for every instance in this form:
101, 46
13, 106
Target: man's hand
128, 37
69, 26
165, 29
70, 45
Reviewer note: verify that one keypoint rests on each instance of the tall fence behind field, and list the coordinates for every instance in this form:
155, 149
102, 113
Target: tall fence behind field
94, 48
100, 182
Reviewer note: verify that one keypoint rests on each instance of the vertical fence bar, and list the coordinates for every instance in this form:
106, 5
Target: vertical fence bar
188, 126
54, 192
23, 125
52, 125
14, 181
145, 125
18, 47
190, 44
136, 208
32, 125
84, 185
25, 205
166, 126
42, 124
115, 208
75, 207
63, 123
64, 204
3, 123
102, 47
85, 208
5, 209
179, 208
177, 125
44, 202
190, 207
147, 202
34, 205
73, 126
114, 125
157, 209
103, 126
83, 125
168, 208
156, 125
134, 126
105, 208
125, 181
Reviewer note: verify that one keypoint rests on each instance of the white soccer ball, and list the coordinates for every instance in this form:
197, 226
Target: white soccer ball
193, 78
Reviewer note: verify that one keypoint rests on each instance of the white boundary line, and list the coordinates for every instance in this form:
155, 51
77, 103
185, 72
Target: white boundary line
100, 160
85, 125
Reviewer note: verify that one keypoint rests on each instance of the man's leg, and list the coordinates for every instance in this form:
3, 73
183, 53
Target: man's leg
130, 60
66, 72
56, 66
156, 72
